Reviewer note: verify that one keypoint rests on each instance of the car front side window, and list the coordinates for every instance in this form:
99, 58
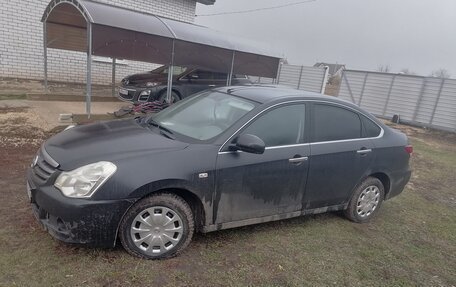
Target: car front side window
281, 126
200, 75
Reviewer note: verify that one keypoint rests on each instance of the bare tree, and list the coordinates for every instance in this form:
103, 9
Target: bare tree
441, 73
384, 68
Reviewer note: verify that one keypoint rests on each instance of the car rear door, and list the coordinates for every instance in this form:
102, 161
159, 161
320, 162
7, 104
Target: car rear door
219, 79
258, 185
340, 157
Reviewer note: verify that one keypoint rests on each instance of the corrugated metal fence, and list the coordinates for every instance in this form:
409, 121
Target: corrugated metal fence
424, 101
299, 77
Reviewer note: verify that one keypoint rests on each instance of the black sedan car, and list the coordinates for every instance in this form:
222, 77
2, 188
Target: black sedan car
219, 159
152, 86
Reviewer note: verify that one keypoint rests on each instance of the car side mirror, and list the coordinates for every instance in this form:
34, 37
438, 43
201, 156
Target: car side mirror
249, 143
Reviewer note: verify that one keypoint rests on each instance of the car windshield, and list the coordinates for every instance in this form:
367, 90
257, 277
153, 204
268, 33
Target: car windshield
203, 116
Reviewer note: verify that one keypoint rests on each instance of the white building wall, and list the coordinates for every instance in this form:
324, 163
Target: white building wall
21, 41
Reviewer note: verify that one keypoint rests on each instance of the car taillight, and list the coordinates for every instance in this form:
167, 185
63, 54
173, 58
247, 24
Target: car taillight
409, 149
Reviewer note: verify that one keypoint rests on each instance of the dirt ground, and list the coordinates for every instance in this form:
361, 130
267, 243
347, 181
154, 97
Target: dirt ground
411, 243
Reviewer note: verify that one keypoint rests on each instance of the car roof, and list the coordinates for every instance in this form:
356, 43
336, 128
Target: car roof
271, 93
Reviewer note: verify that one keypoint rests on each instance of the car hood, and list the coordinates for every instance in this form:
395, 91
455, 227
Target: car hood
143, 78
110, 141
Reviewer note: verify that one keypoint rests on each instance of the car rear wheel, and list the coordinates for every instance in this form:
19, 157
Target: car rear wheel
159, 226
366, 200
174, 97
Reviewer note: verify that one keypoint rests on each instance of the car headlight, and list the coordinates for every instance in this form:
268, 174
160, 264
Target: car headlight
145, 93
84, 181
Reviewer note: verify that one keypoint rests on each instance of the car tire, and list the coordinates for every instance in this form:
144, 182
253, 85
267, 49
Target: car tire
174, 97
366, 200
161, 240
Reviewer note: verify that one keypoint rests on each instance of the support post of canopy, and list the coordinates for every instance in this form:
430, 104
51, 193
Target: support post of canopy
170, 77
113, 77
230, 76
279, 69
325, 80
89, 70
45, 56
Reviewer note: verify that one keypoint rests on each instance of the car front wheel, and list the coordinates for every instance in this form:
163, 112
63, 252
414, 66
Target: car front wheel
174, 97
159, 226
366, 200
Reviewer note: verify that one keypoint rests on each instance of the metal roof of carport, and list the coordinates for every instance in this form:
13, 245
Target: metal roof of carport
105, 30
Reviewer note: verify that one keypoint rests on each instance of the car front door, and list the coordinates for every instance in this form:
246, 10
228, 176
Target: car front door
340, 157
197, 81
259, 185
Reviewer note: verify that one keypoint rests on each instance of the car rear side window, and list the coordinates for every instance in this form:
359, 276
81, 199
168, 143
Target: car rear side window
331, 123
280, 126
370, 129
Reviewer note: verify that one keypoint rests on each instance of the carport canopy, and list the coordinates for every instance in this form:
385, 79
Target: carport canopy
119, 33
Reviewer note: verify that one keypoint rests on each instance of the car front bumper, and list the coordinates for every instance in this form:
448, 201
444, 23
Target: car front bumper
82, 221
133, 94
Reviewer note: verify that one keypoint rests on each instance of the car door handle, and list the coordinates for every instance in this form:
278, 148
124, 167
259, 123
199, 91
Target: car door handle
298, 159
364, 151
211, 85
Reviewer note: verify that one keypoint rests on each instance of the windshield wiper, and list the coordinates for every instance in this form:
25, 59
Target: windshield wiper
166, 134
163, 131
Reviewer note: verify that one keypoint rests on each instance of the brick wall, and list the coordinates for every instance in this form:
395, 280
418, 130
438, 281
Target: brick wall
21, 41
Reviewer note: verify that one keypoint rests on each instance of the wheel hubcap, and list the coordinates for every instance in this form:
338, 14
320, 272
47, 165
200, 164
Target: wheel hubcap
368, 201
156, 230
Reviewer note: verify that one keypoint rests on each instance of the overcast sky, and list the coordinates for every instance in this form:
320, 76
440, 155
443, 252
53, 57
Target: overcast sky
416, 34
